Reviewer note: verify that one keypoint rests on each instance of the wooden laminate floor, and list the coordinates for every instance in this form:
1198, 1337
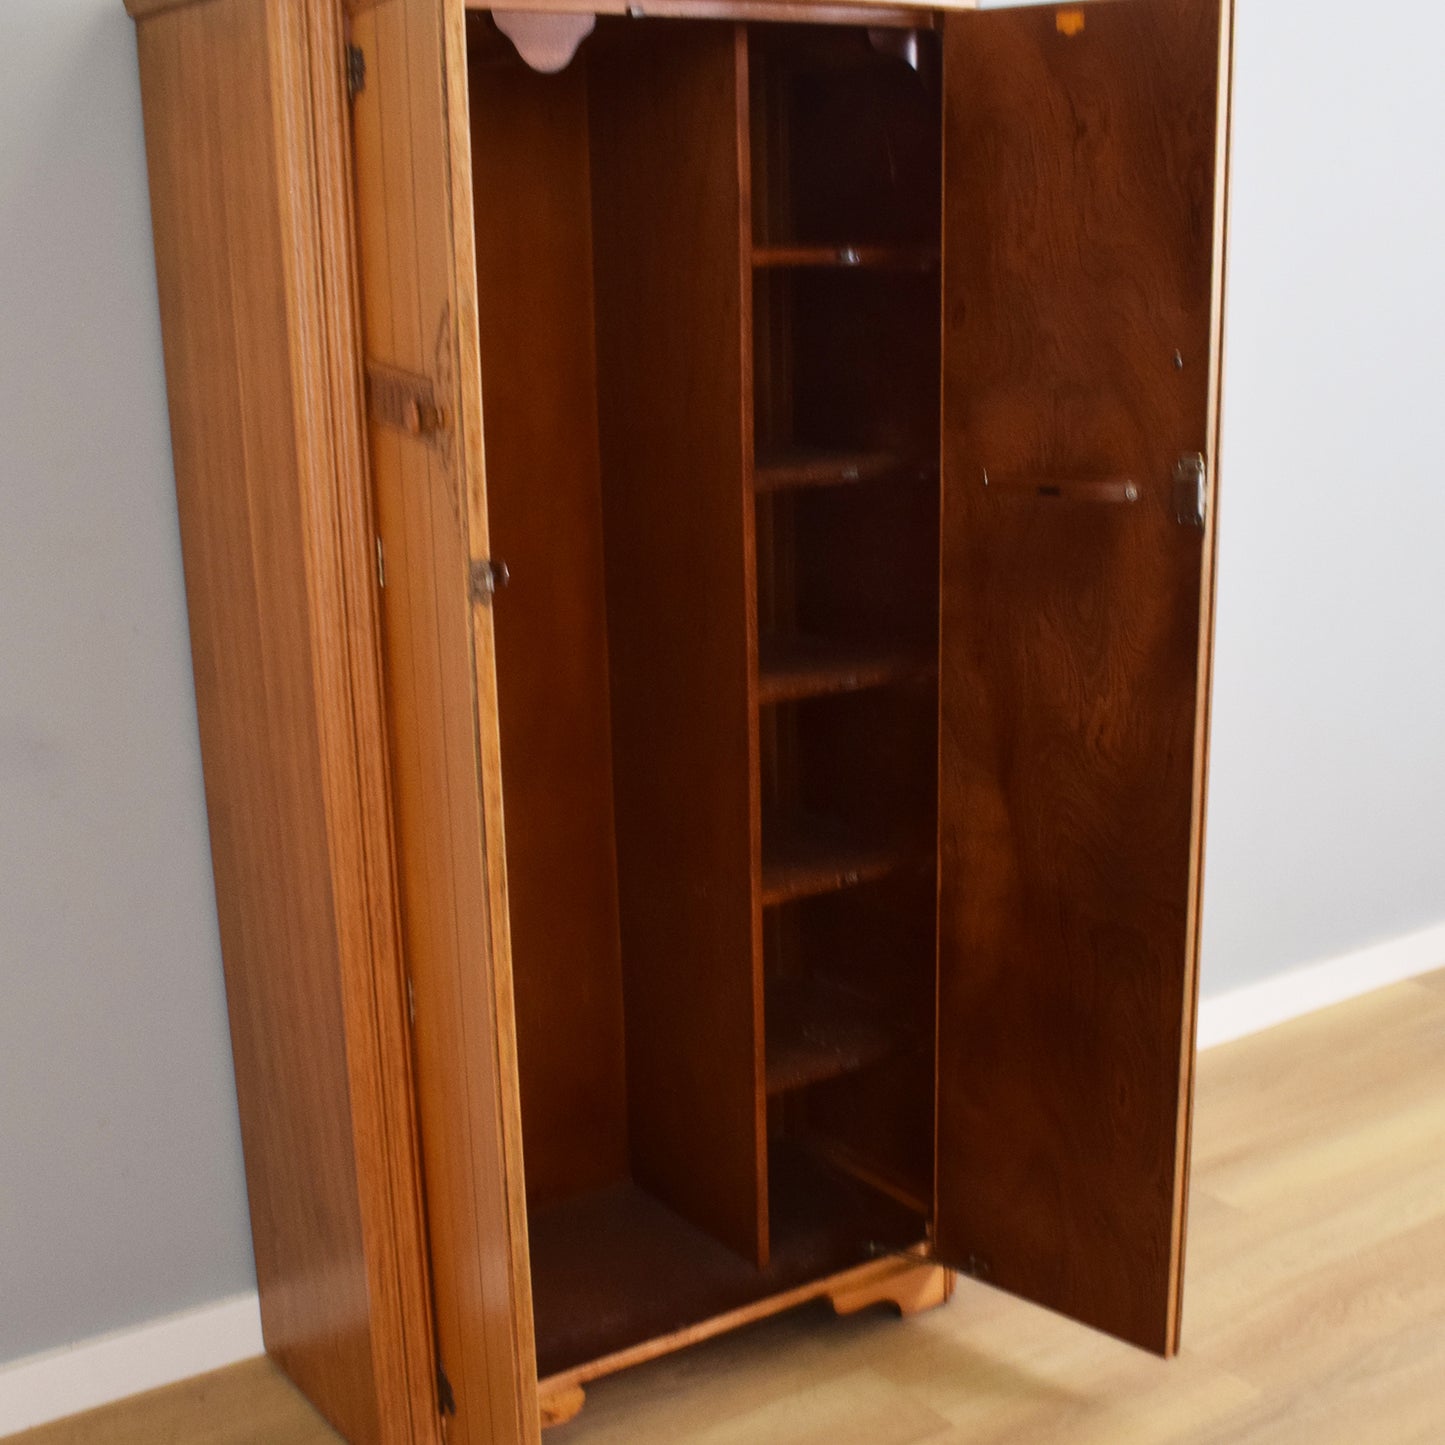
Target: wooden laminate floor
1314, 1313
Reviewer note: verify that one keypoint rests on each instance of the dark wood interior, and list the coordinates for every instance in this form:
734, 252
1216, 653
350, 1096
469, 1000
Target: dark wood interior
530, 162
669, 179
846, 234
708, 279
615, 1266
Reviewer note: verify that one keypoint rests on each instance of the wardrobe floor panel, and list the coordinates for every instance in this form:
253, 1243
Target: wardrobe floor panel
614, 1267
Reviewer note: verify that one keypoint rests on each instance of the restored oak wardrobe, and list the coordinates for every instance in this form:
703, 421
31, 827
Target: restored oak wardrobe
698, 533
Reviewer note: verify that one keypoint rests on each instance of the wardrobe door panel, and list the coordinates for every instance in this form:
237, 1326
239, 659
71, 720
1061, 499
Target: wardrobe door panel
419, 324
1083, 206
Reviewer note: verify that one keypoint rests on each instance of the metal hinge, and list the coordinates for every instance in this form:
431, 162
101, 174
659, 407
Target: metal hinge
976, 1266
1191, 490
487, 577
355, 71
380, 564
446, 1400
411, 1002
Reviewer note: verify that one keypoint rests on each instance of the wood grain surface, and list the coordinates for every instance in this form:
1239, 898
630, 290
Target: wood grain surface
346, 651
820, 12
532, 193
668, 170
1080, 234
213, 168
247, 151
1081, 315
619, 1272
419, 315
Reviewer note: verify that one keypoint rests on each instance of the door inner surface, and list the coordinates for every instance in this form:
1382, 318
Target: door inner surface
1081, 237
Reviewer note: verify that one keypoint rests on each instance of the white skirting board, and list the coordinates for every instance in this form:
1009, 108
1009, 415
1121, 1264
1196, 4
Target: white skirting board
1300, 991
41, 1388
94, 1372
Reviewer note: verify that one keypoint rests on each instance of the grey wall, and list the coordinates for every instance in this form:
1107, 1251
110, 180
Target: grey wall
121, 1195
1327, 805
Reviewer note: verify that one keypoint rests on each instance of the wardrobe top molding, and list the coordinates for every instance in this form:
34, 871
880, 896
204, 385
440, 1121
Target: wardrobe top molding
822, 12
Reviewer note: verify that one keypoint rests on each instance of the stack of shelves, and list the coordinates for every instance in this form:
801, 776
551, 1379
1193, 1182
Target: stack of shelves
844, 243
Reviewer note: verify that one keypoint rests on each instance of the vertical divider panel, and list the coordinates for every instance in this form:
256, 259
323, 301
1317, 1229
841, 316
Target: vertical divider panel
670, 172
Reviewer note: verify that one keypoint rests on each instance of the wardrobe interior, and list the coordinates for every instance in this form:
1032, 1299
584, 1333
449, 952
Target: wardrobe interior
708, 270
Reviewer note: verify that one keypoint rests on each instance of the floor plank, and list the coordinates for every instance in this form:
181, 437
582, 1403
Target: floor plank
242, 1405
1314, 1308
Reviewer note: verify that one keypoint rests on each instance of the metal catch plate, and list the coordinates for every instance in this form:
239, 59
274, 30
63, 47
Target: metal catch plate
1191, 490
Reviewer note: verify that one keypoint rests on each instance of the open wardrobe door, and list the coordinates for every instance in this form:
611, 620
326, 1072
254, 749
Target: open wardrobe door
1083, 202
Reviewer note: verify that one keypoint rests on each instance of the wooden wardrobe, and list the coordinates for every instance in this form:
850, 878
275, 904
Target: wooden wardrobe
698, 526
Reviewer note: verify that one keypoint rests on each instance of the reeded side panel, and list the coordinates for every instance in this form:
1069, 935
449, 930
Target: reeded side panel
245, 130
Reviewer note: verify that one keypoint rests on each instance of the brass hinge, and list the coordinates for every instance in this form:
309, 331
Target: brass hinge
355, 71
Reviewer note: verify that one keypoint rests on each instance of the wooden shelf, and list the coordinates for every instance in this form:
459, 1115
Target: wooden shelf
780, 471
844, 257
793, 668
804, 857
817, 1031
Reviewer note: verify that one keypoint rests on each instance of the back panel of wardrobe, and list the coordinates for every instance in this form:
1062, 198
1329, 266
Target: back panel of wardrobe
845, 161
608, 205
532, 192
669, 176
685, 1125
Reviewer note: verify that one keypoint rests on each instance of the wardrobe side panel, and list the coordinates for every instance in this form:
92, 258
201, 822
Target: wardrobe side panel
419, 324
224, 251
